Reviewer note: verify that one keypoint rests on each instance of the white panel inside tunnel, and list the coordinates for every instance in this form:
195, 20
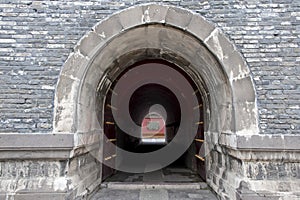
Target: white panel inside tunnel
153, 129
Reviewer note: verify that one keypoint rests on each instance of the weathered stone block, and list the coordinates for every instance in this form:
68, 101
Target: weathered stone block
32, 176
243, 90
200, 27
109, 27
90, 44
154, 13
272, 172
265, 142
65, 107
74, 66
284, 187
216, 42
132, 17
178, 17
245, 117
235, 66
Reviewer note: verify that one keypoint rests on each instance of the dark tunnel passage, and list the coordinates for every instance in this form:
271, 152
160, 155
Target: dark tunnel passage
155, 99
156, 113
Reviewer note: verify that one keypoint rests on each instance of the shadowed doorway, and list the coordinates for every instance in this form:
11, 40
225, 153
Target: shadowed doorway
156, 110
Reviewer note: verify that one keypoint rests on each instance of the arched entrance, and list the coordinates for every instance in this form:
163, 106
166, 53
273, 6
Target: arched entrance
159, 95
174, 35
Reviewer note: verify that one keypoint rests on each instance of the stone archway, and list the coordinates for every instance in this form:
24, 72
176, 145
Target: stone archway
175, 35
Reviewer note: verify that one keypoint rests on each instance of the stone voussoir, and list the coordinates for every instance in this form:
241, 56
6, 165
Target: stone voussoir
73, 66
178, 17
89, 43
131, 17
153, 13
200, 27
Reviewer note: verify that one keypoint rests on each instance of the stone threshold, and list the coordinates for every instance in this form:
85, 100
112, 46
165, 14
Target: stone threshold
135, 186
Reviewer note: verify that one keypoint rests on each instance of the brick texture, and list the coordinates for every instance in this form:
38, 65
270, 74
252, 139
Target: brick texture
36, 38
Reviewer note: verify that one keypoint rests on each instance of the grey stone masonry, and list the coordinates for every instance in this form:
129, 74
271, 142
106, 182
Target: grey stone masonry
58, 60
36, 38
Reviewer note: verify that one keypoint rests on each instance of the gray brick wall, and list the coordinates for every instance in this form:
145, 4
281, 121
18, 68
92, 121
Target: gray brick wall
36, 38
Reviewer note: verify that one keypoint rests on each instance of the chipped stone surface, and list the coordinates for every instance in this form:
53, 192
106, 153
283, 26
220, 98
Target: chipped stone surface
73, 65
87, 45
245, 113
218, 44
154, 13
243, 88
32, 175
272, 171
65, 109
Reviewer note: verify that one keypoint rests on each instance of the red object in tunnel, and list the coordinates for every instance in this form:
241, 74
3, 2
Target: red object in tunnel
153, 129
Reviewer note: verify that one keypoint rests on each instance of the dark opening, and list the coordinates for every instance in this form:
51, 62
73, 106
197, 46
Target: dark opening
151, 97
146, 98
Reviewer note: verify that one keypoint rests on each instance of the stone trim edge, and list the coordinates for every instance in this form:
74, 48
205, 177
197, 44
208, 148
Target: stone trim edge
36, 145
268, 142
